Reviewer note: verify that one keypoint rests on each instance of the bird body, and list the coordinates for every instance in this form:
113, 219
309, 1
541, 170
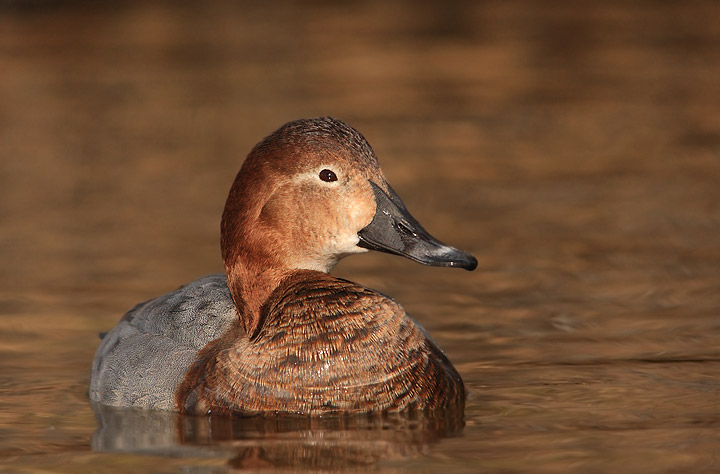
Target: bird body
277, 333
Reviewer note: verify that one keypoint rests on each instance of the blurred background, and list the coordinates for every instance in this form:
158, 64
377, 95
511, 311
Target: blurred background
573, 147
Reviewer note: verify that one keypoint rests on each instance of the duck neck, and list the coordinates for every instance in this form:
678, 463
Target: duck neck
251, 284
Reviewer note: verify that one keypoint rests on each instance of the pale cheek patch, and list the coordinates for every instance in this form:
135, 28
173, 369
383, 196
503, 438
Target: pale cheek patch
357, 214
338, 211
360, 213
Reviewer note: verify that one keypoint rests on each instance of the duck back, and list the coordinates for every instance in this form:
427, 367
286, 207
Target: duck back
143, 359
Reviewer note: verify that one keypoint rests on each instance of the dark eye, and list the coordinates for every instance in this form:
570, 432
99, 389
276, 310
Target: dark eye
328, 176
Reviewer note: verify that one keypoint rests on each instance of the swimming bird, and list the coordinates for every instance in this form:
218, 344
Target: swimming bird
277, 333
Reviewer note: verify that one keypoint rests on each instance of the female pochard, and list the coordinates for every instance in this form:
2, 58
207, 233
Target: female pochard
277, 333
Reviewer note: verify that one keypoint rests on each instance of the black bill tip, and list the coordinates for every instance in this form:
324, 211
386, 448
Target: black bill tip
457, 258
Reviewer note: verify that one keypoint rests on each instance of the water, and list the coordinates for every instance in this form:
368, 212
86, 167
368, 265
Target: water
574, 150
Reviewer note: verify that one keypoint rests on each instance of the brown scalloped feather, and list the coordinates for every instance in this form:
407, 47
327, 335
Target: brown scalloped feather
326, 346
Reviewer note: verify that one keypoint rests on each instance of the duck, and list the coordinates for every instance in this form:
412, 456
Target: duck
276, 333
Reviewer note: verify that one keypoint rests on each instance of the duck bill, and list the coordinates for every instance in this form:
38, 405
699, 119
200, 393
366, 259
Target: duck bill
394, 230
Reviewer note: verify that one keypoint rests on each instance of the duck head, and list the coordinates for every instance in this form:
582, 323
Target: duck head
307, 195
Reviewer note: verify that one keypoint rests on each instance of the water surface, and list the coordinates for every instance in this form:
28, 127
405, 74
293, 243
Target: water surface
575, 151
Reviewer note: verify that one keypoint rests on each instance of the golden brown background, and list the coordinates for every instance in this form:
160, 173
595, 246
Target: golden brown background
573, 147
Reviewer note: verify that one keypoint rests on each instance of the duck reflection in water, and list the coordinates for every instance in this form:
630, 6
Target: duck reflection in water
330, 442
276, 334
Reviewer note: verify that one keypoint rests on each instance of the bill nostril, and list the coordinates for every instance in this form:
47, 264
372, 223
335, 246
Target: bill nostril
404, 228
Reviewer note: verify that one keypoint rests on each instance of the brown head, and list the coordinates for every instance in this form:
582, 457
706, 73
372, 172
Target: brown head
307, 195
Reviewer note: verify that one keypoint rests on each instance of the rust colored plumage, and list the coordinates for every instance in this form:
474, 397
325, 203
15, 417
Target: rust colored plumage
326, 346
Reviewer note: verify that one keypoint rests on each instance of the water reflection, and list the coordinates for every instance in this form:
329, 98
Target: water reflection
256, 442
